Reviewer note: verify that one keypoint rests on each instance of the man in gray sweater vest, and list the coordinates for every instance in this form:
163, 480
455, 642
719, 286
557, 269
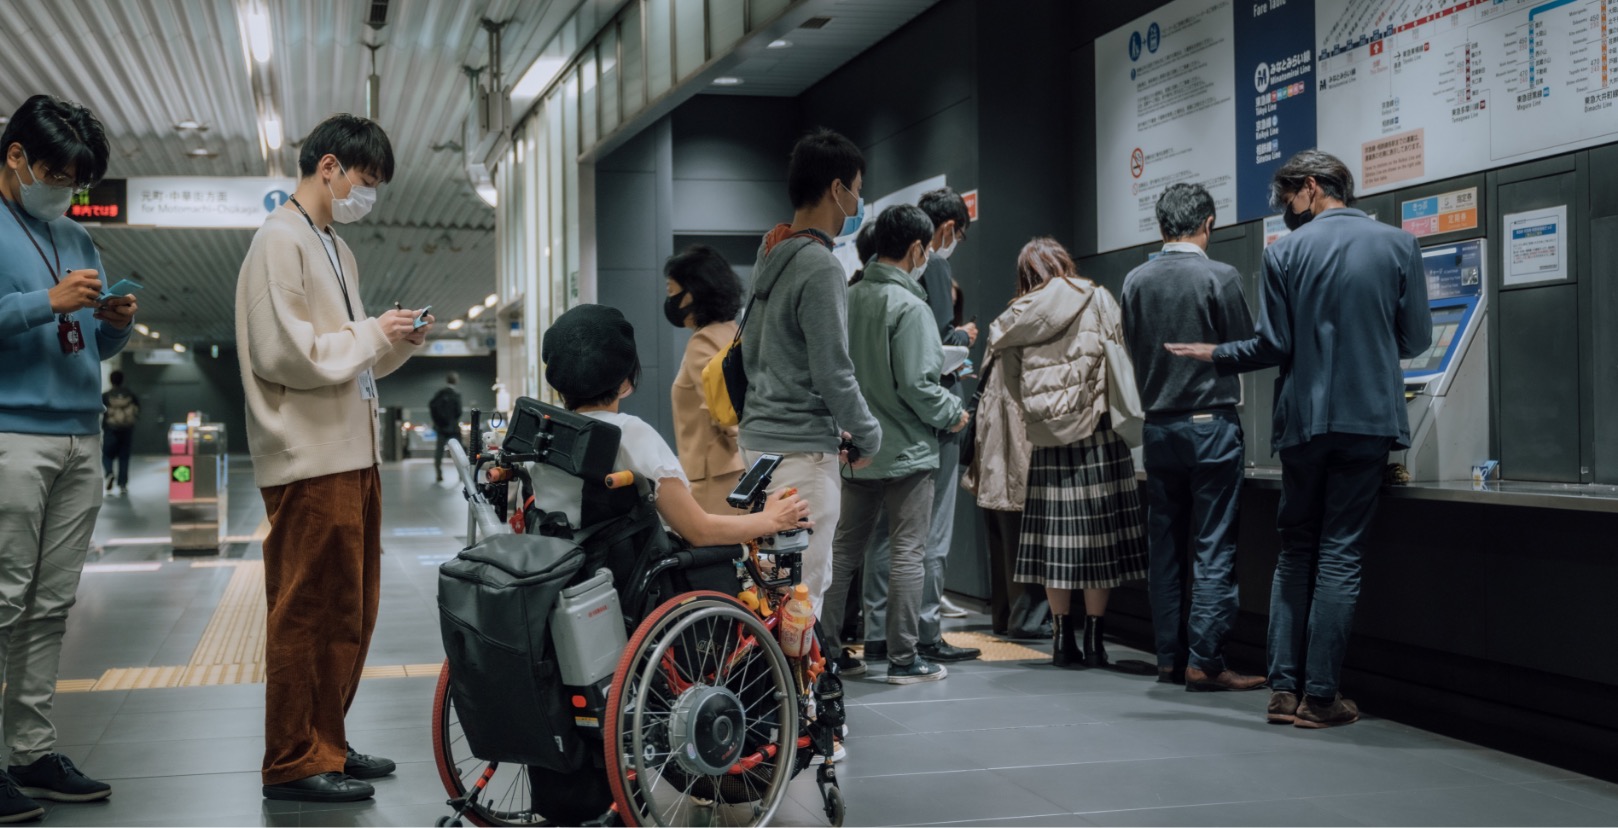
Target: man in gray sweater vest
802, 398
1192, 440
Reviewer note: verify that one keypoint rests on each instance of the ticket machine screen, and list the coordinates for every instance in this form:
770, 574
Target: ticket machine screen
1447, 324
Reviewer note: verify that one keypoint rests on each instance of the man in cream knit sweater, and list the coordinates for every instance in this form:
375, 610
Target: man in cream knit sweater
310, 358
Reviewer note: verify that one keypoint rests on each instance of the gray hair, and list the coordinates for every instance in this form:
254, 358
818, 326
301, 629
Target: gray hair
1183, 209
1329, 173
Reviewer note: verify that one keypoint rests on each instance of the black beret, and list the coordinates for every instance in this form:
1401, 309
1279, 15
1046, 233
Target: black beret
588, 351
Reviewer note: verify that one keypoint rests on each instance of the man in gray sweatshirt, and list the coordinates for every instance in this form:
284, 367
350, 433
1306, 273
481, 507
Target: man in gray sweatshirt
802, 398
1192, 440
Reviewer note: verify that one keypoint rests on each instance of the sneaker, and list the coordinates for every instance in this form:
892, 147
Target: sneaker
15, 806
848, 665
838, 753
123, 490
915, 672
875, 651
110, 479
949, 609
1283, 708
54, 777
1314, 713
945, 651
361, 766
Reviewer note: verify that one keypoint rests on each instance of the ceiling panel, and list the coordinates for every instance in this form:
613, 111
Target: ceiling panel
144, 65
856, 25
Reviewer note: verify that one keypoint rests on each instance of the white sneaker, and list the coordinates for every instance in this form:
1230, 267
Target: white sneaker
949, 609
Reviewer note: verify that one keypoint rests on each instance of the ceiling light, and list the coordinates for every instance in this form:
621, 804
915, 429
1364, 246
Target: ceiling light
489, 194
142, 329
178, 348
539, 75
727, 80
780, 44
474, 311
815, 23
491, 300
258, 33
457, 324
5, 119
187, 125
156, 335
272, 131
201, 152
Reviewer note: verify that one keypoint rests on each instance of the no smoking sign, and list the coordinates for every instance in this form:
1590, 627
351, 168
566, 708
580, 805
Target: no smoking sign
1137, 163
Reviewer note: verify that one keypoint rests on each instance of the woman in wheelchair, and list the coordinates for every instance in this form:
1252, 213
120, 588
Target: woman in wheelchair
590, 359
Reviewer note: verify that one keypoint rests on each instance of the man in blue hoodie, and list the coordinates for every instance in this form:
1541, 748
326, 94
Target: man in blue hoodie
54, 332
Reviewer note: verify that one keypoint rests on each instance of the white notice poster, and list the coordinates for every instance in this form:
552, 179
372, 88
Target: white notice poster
1166, 113
1536, 246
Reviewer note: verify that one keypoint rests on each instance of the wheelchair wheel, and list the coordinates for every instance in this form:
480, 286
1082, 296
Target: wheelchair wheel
702, 717
506, 799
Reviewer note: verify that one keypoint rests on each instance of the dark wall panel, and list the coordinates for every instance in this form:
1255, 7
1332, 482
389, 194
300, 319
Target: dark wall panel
1539, 381
1604, 345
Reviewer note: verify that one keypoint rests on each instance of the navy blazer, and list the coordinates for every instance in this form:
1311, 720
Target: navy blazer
1344, 299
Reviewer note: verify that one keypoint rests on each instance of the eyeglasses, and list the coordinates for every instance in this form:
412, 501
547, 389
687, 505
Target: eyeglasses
63, 181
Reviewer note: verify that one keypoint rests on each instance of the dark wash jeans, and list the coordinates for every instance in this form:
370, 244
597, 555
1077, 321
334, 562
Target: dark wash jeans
1329, 490
1193, 484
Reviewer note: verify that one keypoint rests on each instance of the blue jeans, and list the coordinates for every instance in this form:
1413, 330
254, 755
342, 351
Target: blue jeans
1193, 480
1329, 490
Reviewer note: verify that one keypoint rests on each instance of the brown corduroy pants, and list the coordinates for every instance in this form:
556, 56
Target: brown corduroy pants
322, 576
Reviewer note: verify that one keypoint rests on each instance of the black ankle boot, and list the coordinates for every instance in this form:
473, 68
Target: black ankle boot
1094, 628
1065, 650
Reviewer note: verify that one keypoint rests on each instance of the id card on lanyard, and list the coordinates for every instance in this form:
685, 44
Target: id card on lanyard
367, 378
69, 336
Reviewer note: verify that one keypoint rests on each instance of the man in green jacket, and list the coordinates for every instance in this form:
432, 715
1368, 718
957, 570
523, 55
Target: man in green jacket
897, 356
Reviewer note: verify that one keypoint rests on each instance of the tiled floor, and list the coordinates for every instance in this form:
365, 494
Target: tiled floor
1006, 743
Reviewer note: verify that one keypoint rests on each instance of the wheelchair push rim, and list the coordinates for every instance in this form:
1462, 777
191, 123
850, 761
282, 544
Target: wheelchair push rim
702, 718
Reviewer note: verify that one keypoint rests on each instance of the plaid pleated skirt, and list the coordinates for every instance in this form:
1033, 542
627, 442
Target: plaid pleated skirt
1083, 526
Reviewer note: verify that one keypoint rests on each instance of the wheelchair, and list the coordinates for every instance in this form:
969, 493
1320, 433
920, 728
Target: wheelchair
705, 719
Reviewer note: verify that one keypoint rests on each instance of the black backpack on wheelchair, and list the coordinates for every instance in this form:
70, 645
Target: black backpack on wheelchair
496, 597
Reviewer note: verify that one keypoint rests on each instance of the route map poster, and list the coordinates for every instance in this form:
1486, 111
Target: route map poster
1404, 91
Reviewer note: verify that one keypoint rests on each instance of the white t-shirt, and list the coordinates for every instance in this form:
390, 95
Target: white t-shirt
640, 450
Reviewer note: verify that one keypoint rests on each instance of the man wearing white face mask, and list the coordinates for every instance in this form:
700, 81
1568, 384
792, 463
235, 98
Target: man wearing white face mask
310, 358
897, 360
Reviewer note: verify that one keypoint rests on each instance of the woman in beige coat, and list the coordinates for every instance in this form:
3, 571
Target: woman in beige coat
704, 295
1083, 527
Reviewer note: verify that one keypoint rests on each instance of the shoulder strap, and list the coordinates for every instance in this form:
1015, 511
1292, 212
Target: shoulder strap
764, 291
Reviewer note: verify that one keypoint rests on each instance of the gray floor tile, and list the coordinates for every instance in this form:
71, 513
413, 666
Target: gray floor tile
1117, 786
1291, 773
909, 800
1040, 821
911, 753
1057, 745
406, 744
81, 730
1591, 793
126, 760
379, 814
868, 720
179, 725
195, 698
206, 796
873, 688
1496, 765
983, 714
1293, 813
1490, 805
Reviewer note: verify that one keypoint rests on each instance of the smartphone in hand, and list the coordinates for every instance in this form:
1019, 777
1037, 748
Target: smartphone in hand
123, 288
421, 318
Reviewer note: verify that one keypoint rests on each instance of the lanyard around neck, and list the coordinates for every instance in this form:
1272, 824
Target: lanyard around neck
336, 263
55, 270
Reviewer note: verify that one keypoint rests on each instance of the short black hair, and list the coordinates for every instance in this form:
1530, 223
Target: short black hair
117, 378
1183, 209
452, 378
359, 144
864, 248
60, 134
820, 158
1326, 169
573, 403
899, 227
716, 290
944, 204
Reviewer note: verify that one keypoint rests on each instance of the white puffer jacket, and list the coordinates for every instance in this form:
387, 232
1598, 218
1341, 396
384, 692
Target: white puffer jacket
1050, 344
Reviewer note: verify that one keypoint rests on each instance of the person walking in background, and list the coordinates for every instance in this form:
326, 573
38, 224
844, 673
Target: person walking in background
54, 333
445, 409
802, 399
118, 431
1192, 440
897, 359
309, 360
1082, 526
704, 296
1339, 410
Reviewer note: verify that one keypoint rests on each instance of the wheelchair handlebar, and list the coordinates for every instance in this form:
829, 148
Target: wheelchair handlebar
481, 518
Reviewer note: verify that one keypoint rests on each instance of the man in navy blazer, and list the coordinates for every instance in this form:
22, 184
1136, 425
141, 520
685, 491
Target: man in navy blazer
1345, 298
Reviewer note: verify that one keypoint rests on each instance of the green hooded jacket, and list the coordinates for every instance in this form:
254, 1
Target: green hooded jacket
893, 341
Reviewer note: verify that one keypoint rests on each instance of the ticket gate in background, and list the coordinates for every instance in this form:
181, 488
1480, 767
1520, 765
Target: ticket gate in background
199, 472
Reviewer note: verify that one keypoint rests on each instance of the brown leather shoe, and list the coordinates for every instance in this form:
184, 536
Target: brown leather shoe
1283, 708
1199, 681
1340, 712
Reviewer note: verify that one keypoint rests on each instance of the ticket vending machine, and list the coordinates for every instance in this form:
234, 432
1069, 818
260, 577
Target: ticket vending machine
1447, 386
198, 485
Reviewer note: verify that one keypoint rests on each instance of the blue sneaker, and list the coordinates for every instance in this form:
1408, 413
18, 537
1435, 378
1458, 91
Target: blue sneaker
915, 672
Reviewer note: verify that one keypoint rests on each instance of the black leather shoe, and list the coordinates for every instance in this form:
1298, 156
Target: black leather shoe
945, 651
360, 766
322, 787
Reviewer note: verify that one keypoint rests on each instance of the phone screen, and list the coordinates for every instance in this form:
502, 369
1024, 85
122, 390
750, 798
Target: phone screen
764, 467
421, 318
123, 288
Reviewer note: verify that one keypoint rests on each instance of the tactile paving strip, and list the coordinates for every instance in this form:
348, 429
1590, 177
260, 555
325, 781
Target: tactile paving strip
995, 648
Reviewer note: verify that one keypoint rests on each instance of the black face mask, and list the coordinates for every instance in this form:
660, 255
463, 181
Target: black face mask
1295, 220
673, 312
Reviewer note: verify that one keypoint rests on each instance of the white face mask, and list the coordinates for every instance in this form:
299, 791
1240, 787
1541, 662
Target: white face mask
926, 257
359, 202
41, 200
947, 250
